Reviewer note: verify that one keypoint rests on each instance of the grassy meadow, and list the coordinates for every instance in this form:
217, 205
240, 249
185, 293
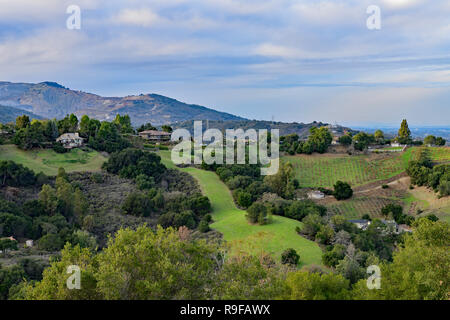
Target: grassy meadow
48, 161
273, 238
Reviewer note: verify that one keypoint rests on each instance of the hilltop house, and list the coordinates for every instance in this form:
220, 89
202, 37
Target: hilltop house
155, 136
70, 140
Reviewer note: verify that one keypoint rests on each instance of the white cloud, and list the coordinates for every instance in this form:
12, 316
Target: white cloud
139, 17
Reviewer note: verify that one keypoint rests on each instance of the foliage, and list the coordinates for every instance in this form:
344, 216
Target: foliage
342, 190
15, 175
404, 134
290, 257
130, 163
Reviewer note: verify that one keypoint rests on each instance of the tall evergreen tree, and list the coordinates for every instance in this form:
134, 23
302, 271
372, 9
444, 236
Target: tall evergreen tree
404, 134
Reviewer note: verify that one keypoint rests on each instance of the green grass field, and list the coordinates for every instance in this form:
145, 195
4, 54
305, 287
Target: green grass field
48, 161
273, 238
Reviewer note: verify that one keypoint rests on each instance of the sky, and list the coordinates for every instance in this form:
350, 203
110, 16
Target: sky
286, 60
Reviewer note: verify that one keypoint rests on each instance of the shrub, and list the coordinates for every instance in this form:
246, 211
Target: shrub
58, 148
257, 213
97, 178
203, 226
51, 242
342, 190
290, 257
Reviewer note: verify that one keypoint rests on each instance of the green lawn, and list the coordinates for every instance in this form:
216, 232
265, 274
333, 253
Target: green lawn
273, 238
48, 161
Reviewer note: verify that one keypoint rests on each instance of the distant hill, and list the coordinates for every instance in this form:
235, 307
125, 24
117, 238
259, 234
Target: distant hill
9, 114
52, 100
302, 129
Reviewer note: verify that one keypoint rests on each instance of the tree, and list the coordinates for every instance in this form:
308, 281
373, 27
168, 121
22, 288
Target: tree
84, 126
305, 285
362, 140
145, 127
332, 256
404, 134
22, 122
244, 199
282, 183
123, 123
342, 190
379, 136
48, 198
345, 140
430, 139
290, 257
440, 141
419, 270
257, 213
154, 265
320, 138
7, 244
167, 128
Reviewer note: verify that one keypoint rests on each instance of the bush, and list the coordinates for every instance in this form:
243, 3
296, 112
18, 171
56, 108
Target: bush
203, 226
51, 242
257, 213
290, 257
58, 148
97, 178
342, 190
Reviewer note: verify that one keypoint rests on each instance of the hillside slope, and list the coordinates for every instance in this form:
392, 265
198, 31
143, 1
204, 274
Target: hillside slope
50, 100
9, 114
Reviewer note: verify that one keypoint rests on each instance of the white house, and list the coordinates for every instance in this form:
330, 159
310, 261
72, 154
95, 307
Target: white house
70, 140
316, 195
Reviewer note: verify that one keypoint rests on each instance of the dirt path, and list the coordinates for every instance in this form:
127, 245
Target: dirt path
400, 180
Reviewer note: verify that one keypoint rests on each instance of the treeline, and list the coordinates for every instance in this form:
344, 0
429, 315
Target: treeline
101, 136
169, 264
318, 141
424, 173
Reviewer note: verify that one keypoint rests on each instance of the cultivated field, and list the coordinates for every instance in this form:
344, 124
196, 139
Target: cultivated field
325, 170
48, 161
437, 154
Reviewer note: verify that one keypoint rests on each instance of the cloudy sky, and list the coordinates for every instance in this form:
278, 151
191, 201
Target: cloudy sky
290, 60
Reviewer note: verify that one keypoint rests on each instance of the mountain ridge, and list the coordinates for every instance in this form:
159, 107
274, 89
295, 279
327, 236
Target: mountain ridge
52, 100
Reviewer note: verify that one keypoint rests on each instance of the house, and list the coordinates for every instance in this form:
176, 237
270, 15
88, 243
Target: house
316, 195
155, 136
361, 223
70, 140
